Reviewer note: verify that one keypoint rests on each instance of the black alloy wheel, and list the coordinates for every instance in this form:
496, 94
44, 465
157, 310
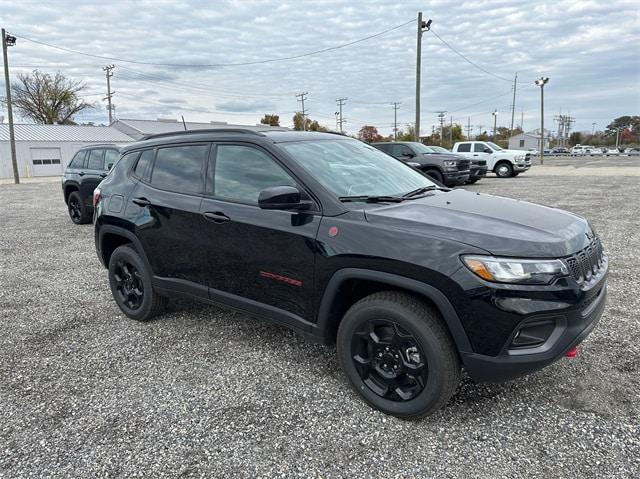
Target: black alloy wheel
77, 211
128, 284
389, 360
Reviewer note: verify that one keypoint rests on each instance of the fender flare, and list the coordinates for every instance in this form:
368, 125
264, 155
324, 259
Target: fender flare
441, 302
118, 230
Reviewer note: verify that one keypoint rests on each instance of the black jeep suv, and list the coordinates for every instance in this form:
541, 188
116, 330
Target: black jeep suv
331, 237
85, 171
446, 168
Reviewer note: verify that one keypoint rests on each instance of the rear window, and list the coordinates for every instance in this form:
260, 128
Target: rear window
110, 158
179, 168
142, 166
464, 147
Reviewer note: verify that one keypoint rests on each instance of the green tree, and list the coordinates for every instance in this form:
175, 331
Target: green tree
272, 120
48, 99
409, 135
575, 138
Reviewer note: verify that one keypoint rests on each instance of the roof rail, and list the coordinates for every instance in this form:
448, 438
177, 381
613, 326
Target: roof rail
244, 131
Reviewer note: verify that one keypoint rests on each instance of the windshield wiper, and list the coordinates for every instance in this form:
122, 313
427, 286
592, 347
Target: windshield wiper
424, 189
373, 199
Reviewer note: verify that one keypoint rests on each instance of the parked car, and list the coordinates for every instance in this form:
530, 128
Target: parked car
560, 150
504, 163
445, 168
85, 171
610, 152
477, 169
632, 151
331, 237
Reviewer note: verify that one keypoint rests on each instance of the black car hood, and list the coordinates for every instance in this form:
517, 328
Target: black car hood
438, 156
501, 226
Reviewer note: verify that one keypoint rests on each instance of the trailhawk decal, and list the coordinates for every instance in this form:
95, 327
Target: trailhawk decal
283, 279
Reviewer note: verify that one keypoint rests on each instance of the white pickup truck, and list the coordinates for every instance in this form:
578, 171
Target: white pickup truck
504, 163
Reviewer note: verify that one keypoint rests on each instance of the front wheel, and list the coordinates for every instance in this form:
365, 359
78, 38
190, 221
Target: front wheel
398, 355
504, 170
131, 286
436, 175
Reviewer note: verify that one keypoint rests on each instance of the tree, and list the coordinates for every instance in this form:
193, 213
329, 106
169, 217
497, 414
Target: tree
301, 123
369, 134
410, 135
48, 99
272, 120
315, 126
575, 138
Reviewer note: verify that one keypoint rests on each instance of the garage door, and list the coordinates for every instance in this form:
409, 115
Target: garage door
45, 161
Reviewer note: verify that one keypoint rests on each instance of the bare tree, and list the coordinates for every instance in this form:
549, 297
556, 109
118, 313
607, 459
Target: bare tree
48, 99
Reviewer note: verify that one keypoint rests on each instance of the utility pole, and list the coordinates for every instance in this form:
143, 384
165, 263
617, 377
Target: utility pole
336, 114
513, 104
422, 27
522, 120
301, 97
593, 128
396, 105
441, 119
109, 74
468, 128
541, 83
451, 131
9, 41
495, 121
480, 130
341, 102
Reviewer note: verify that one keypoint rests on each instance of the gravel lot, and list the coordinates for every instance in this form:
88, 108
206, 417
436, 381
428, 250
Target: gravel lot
203, 392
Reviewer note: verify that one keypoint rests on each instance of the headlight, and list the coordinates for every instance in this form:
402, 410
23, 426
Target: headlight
513, 270
450, 163
520, 157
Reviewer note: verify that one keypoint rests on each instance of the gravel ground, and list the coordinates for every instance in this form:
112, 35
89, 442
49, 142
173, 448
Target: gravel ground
203, 392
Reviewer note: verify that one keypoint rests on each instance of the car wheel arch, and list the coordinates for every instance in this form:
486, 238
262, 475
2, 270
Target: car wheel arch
111, 237
68, 189
328, 321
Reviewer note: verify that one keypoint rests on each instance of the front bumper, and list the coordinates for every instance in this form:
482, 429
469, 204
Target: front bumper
477, 172
520, 166
455, 177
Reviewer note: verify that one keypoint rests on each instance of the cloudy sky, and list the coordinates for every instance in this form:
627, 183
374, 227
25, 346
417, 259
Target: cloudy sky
588, 49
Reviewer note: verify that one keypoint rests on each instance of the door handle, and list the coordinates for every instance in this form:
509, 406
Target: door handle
216, 216
82, 173
141, 201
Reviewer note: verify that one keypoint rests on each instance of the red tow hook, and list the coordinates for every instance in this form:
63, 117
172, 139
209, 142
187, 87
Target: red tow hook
573, 352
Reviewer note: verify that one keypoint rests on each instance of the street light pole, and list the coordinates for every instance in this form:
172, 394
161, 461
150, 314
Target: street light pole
495, 120
9, 41
422, 27
541, 83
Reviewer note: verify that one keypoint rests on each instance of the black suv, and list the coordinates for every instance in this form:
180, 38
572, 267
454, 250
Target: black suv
446, 168
88, 167
329, 236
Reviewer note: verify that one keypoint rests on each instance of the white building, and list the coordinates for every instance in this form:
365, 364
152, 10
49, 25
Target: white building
45, 150
526, 141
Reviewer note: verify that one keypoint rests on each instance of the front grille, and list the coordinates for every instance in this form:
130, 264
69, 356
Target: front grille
586, 263
463, 165
478, 162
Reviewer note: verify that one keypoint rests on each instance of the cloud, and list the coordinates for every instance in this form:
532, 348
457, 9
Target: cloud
586, 48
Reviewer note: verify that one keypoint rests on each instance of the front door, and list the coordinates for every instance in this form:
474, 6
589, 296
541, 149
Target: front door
266, 256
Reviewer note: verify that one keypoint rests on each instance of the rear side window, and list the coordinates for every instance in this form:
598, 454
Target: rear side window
464, 147
242, 172
179, 168
110, 158
142, 166
479, 148
385, 148
94, 162
403, 150
78, 159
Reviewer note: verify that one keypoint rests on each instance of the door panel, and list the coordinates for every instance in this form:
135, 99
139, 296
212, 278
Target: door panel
92, 174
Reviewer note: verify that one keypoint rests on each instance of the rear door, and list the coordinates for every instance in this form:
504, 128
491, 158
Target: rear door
267, 256
92, 174
165, 206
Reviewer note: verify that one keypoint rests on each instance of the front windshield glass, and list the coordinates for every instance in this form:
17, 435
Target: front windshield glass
439, 149
353, 168
494, 146
419, 147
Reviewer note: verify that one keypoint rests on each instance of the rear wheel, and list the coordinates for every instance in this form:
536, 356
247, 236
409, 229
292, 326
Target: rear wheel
77, 209
504, 169
131, 286
397, 354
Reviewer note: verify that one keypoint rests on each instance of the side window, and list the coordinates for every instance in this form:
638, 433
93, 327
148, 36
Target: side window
521, 143
464, 148
179, 168
110, 158
94, 161
242, 172
78, 159
385, 148
479, 147
403, 150
141, 169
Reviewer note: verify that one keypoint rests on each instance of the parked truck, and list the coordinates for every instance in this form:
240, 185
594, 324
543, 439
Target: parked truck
504, 163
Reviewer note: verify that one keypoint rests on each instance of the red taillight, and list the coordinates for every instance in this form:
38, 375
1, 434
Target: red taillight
572, 353
96, 196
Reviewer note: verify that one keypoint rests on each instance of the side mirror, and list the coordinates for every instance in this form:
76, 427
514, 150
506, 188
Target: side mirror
282, 198
488, 150
411, 154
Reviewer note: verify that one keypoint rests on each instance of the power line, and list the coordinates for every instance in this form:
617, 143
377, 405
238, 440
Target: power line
216, 65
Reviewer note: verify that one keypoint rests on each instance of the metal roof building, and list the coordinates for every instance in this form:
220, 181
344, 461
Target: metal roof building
44, 150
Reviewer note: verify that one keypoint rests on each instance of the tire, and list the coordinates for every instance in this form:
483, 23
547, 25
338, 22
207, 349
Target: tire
78, 211
436, 175
131, 286
515, 173
504, 169
415, 335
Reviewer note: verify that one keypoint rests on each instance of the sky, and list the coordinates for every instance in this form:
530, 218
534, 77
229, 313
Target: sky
588, 49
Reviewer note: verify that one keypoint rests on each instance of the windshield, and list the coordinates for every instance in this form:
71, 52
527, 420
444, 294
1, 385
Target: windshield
353, 168
493, 146
439, 149
420, 148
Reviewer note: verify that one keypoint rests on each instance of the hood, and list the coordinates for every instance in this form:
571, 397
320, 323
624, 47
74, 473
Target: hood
500, 226
440, 156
